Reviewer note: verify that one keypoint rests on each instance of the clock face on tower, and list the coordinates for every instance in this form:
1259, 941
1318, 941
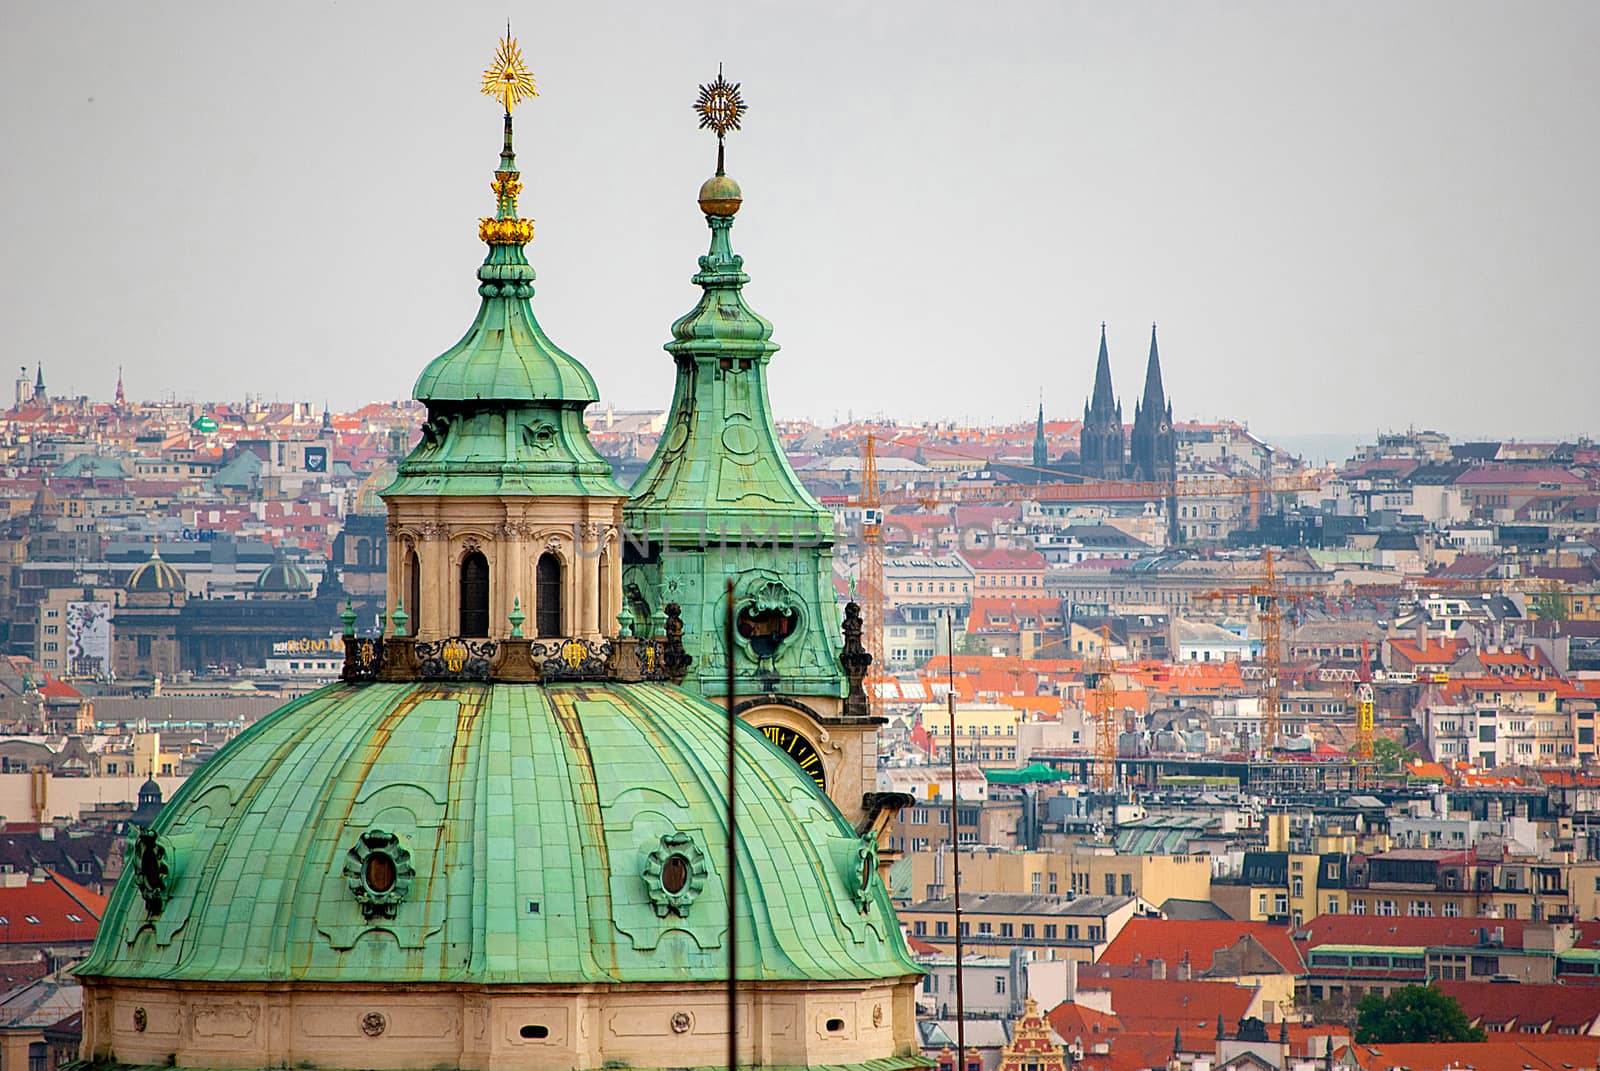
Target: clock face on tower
799, 749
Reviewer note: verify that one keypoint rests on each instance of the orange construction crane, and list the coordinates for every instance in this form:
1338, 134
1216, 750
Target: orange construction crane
1100, 683
1269, 598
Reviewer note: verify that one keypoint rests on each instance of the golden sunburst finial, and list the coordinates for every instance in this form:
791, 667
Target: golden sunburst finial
508, 79
721, 108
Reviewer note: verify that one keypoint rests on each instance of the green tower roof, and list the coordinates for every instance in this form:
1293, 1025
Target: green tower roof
505, 354
720, 467
505, 404
524, 828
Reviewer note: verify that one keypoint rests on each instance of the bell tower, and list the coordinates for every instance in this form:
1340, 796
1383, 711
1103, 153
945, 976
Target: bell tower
504, 507
719, 501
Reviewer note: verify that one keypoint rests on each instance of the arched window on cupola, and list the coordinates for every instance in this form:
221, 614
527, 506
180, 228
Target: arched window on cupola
547, 595
475, 595
413, 589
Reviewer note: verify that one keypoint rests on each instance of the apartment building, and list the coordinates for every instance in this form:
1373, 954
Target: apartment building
925, 825
1086, 870
1348, 956
1007, 572
984, 732
1434, 883
1040, 927
1487, 722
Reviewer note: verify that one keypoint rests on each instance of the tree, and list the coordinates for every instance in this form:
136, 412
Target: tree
1388, 753
1550, 607
1415, 1013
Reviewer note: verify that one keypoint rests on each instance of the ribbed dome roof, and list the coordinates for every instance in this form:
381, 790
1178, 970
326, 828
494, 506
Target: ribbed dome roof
527, 835
155, 575
283, 575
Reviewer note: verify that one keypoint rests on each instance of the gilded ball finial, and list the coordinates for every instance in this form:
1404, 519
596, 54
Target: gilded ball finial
721, 107
508, 79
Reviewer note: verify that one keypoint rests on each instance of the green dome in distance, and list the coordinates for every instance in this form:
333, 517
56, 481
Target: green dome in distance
284, 575
154, 575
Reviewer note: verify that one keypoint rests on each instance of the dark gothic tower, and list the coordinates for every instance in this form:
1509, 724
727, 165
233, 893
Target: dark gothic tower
1154, 446
1041, 448
1101, 444
38, 386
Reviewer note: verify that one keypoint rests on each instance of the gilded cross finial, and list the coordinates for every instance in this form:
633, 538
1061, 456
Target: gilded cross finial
508, 79
721, 107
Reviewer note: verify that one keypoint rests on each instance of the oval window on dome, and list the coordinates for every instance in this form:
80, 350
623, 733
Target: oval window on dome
675, 873
379, 872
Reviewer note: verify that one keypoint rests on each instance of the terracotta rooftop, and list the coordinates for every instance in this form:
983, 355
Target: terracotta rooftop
1517, 1008
1144, 940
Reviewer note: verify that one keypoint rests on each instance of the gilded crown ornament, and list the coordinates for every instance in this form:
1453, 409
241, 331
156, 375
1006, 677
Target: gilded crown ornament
721, 107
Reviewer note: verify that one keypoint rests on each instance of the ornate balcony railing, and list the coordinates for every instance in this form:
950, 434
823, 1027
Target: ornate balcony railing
518, 659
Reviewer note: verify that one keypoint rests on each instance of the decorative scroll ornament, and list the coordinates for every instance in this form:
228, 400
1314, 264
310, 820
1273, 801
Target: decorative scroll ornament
362, 659
769, 613
866, 868
378, 871
151, 871
675, 874
573, 660
455, 659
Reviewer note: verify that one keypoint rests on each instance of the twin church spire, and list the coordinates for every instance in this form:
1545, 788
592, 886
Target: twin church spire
1105, 450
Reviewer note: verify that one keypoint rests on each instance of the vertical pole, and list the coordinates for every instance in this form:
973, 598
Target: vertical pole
955, 844
733, 918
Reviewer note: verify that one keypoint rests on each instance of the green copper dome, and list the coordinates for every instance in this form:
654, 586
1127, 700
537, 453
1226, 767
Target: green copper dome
523, 834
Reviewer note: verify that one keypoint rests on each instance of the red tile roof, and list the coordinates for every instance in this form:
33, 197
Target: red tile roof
54, 689
54, 909
1148, 1005
1405, 930
1073, 1022
1551, 1008
1437, 652
1526, 1052
1170, 940
989, 560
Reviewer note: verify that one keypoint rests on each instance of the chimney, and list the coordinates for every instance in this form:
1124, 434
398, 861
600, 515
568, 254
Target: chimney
1422, 632
1181, 970
1158, 969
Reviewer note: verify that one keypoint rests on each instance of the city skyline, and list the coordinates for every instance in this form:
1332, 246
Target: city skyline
1356, 228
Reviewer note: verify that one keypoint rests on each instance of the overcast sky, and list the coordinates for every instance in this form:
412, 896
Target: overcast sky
1345, 217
